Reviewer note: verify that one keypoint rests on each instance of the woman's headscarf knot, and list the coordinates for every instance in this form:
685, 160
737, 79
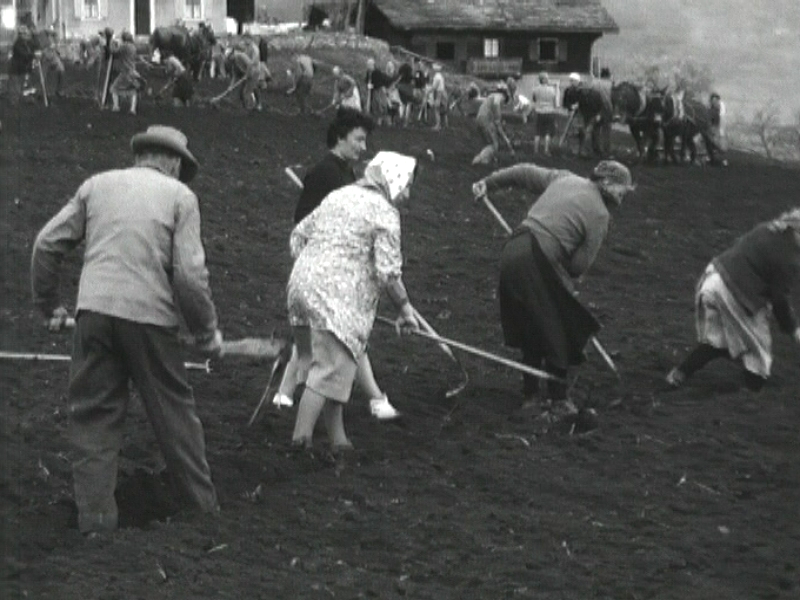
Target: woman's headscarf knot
390, 173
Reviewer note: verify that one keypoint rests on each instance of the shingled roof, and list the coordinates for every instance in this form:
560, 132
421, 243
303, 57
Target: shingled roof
511, 15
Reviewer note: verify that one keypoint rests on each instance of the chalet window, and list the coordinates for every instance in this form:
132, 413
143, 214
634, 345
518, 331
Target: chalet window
548, 50
491, 47
194, 9
474, 48
445, 50
91, 9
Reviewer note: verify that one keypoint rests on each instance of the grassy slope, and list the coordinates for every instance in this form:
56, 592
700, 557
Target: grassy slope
751, 45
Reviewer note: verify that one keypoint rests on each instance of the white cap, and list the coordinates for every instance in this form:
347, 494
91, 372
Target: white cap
574, 77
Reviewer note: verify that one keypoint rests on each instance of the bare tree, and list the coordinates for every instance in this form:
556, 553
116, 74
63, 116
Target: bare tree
341, 13
764, 122
797, 128
348, 10
361, 16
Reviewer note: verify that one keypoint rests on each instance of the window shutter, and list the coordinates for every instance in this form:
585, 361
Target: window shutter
562, 50
102, 8
533, 53
78, 8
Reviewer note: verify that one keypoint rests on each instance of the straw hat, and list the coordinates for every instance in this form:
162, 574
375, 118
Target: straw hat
168, 138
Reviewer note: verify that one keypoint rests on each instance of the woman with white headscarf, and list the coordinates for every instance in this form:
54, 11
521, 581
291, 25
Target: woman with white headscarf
346, 252
736, 295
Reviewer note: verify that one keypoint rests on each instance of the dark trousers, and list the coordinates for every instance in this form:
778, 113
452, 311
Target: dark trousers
15, 87
702, 354
107, 353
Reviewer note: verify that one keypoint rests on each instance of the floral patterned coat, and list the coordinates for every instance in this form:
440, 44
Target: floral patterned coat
345, 252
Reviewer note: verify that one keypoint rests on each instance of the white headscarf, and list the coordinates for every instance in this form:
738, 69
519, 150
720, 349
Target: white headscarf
788, 220
390, 173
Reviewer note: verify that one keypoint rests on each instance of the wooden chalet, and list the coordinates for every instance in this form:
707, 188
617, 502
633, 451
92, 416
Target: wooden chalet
493, 38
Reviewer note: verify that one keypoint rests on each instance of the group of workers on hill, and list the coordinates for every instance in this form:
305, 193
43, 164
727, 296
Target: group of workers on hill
390, 95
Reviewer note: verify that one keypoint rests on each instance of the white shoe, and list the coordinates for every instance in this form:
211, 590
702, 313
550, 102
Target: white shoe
282, 401
675, 378
382, 409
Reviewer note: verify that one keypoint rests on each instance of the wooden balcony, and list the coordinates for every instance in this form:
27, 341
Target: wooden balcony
490, 68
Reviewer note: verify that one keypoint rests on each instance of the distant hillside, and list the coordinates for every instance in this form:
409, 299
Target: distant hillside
752, 46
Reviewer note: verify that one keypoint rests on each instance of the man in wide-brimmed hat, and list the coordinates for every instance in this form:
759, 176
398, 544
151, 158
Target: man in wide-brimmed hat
557, 242
144, 264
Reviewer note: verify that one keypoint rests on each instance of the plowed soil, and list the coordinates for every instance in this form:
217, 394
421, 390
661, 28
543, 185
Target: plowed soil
677, 495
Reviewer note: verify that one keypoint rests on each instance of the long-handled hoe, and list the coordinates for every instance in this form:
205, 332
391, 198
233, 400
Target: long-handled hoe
507, 362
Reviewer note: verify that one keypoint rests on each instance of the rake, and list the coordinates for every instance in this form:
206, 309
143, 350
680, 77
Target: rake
42, 81
454, 391
253, 347
278, 367
481, 353
36, 357
216, 99
106, 82
566, 128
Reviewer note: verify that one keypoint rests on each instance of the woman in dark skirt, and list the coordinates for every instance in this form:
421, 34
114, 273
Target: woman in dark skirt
557, 241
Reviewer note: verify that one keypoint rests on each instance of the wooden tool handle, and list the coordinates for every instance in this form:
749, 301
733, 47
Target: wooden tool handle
255, 347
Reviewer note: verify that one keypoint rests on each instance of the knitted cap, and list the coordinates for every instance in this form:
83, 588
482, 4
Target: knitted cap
613, 179
613, 172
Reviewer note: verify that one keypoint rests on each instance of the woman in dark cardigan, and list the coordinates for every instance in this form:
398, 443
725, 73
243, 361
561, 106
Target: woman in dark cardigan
736, 295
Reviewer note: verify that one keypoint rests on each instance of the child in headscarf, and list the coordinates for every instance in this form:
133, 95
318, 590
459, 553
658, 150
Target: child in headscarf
346, 252
735, 296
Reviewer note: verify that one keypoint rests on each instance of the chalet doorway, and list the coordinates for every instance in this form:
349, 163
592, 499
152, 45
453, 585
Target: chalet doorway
244, 11
141, 17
